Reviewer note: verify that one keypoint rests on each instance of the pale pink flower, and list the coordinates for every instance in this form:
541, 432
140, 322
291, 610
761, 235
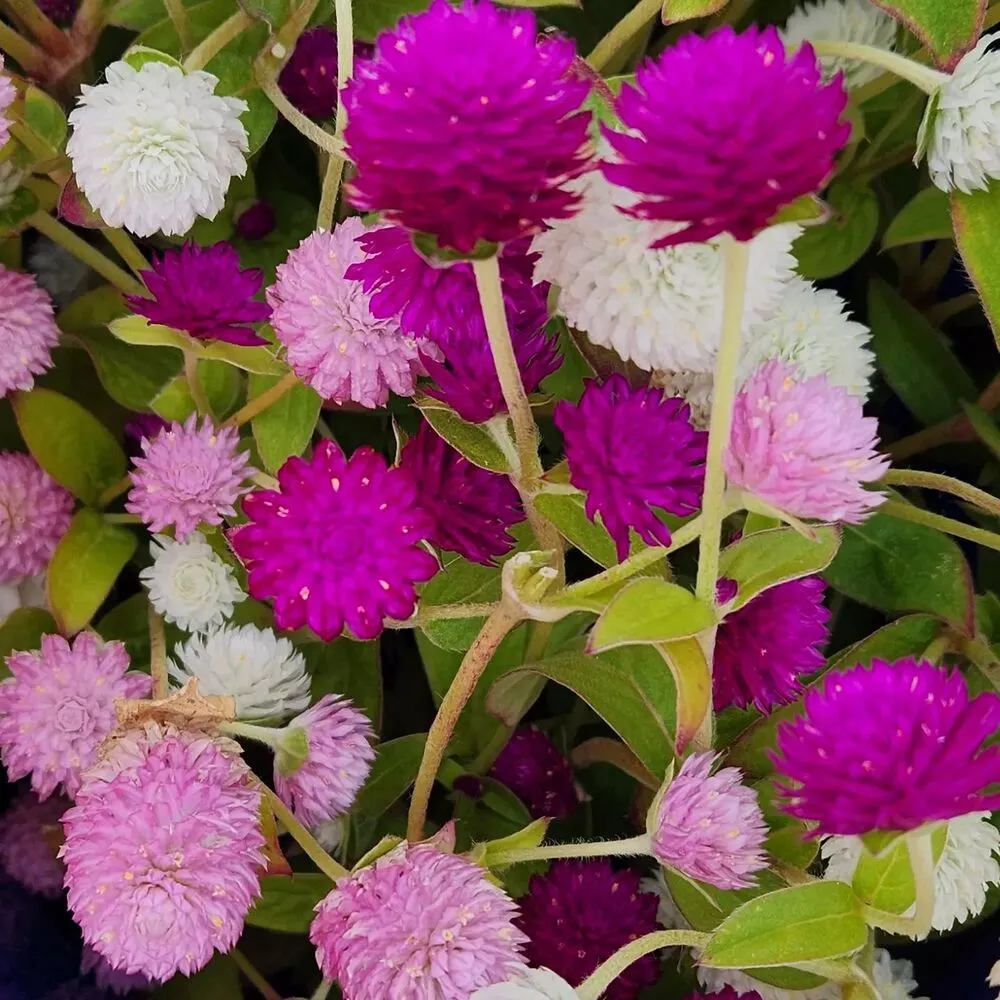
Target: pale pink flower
26, 852
28, 330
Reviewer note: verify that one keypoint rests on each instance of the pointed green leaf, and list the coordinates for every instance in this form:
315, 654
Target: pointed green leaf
285, 428
832, 247
474, 441
977, 234
132, 376
686, 10
926, 216
394, 770
138, 330
287, 902
46, 118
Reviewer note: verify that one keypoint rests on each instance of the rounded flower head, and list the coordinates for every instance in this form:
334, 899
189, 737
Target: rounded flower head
447, 929
264, 673
189, 584
889, 747
204, 291
338, 757
483, 141
57, 707
309, 78
709, 826
188, 475
8, 94
661, 309
28, 330
155, 148
163, 852
532, 767
27, 851
338, 544
334, 342
762, 649
631, 450
529, 984
804, 446
780, 122
580, 913
472, 508
34, 514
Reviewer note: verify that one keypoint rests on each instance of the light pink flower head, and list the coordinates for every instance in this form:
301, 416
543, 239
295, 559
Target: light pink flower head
35, 512
58, 705
27, 853
28, 330
325, 320
339, 756
8, 94
417, 924
163, 851
188, 475
804, 446
709, 826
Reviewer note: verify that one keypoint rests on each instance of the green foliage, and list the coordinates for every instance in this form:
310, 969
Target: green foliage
374, 16
947, 29
287, 902
828, 249
977, 234
285, 428
474, 441
347, 668
22, 630
926, 216
392, 773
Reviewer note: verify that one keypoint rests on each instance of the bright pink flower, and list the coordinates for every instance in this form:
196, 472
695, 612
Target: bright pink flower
28, 330
26, 852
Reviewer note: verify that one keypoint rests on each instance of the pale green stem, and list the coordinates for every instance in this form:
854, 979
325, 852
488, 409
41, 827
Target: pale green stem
598, 849
89, 20
195, 387
332, 869
943, 484
444, 612
713, 509
921, 854
605, 974
53, 39
123, 519
259, 983
916, 515
345, 70
158, 654
328, 143
927, 79
623, 32
323, 990
208, 48
127, 250
262, 734
266, 399
178, 15
30, 56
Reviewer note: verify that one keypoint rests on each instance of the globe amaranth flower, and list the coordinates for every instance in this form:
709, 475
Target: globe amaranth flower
309, 78
8, 94
257, 222
417, 923
57, 707
695, 388
204, 291
889, 747
804, 446
532, 767
857, 21
710, 826
28, 330
163, 851
141, 426
964, 147
264, 673
779, 120
27, 853
155, 148
339, 543
529, 984
967, 866
580, 913
109, 979
475, 147
188, 475
189, 584
323, 783
472, 508
334, 342
661, 309
631, 450
762, 649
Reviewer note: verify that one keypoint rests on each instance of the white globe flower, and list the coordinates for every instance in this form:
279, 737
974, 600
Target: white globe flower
265, 674
28, 592
967, 866
695, 387
668, 915
964, 147
716, 980
893, 977
858, 21
331, 834
154, 148
661, 309
530, 984
189, 584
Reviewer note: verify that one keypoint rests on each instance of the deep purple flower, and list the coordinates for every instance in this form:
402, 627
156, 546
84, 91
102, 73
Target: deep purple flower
203, 290
532, 767
580, 913
889, 747
724, 151
471, 507
309, 78
257, 221
60, 11
762, 649
140, 427
726, 993
465, 125
339, 543
631, 450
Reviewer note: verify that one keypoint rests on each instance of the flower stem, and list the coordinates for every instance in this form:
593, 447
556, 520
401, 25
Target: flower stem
127, 250
479, 654
623, 32
927, 79
345, 70
443, 612
332, 869
195, 387
262, 734
944, 484
177, 13
53, 39
208, 48
605, 974
158, 654
259, 983
30, 57
327, 142
598, 849
906, 512
921, 854
266, 399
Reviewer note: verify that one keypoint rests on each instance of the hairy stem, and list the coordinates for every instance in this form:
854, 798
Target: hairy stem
319, 136
597, 849
345, 70
262, 734
30, 57
943, 484
906, 512
623, 32
266, 399
177, 13
127, 250
158, 654
332, 869
444, 612
927, 79
195, 387
209, 47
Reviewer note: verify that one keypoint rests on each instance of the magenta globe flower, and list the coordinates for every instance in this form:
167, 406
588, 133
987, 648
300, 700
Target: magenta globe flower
889, 747
631, 450
417, 923
28, 330
338, 544
27, 853
466, 126
723, 152
309, 78
204, 291
532, 767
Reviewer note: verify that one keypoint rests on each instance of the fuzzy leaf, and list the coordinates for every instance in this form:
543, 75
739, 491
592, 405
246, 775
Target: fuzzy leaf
977, 234
685, 10
285, 428
46, 118
829, 249
394, 770
471, 440
132, 376
947, 29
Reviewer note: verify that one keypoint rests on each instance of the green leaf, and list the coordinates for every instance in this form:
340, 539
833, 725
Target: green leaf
917, 362
393, 772
686, 10
128, 622
474, 441
95, 308
896, 565
70, 444
15, 214
258, 119
132, 376
220, 978
947, 29
769, 557
692, 676
84, 567
203, 18
567, 382
886, 882
829, 249
22, 631
459, 581
566, 511
138, 55
347, 668
977, 235
372, 17
704, 906
273, 12
803, 923
222, 384
259, 360
285, 428
46, 118
648, 611
287, 902
926, 216
138, 330
136, 14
